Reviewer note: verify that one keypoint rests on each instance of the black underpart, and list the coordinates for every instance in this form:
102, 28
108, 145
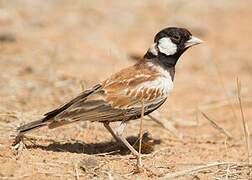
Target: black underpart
149, 110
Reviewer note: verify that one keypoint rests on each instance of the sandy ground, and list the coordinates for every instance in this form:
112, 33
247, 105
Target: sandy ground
52, 50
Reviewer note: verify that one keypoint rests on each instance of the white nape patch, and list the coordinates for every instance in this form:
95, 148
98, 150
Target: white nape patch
153, 49
166, 46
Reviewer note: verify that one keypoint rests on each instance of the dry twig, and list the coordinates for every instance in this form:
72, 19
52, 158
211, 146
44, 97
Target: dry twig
194, 170
220, 78
244, 123
216, 126
210, 106
167, 125
76, 172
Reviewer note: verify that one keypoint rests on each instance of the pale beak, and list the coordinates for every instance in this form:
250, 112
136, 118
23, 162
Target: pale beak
193, 41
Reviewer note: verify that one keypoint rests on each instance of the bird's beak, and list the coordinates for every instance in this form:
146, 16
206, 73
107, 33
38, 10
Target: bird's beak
193, 41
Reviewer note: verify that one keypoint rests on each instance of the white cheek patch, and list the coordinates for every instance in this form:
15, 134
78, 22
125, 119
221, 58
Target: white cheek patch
166, 46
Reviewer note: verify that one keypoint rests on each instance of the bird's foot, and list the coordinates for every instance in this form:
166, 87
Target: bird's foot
18, 145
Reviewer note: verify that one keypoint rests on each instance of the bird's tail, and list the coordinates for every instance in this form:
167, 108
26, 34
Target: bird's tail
31, 126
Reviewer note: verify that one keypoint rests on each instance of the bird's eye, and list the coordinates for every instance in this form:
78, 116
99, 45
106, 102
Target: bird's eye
176, 38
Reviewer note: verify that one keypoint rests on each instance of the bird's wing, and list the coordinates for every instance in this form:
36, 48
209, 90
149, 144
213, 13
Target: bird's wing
82, 96
118, 98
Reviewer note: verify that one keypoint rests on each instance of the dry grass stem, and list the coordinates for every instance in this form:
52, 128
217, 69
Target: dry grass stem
110, 177
220, 78
16, 177
216, 126
77, 176
83, 85
107, 153
211, 106
167, 125
244, 123
194, 170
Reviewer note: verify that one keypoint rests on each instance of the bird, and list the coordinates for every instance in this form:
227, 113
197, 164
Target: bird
121, 97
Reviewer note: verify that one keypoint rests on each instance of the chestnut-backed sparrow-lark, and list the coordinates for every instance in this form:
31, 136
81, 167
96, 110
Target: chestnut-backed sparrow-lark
120, 97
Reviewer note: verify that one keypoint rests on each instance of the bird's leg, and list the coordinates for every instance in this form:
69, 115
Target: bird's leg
119, 132
140, 137
107, 126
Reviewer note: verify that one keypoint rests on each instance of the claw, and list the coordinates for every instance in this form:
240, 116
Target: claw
18, 145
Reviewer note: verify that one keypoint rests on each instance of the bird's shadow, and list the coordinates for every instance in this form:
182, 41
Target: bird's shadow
109, 147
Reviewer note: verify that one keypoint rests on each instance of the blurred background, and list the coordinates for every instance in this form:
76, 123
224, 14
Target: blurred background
53, 49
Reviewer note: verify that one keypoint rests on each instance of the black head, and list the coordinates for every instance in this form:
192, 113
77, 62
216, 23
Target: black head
170, 43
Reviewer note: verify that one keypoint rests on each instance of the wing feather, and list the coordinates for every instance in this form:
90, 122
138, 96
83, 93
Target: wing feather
118, 98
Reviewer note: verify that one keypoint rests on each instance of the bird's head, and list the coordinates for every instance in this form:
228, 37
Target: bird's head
171, 43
